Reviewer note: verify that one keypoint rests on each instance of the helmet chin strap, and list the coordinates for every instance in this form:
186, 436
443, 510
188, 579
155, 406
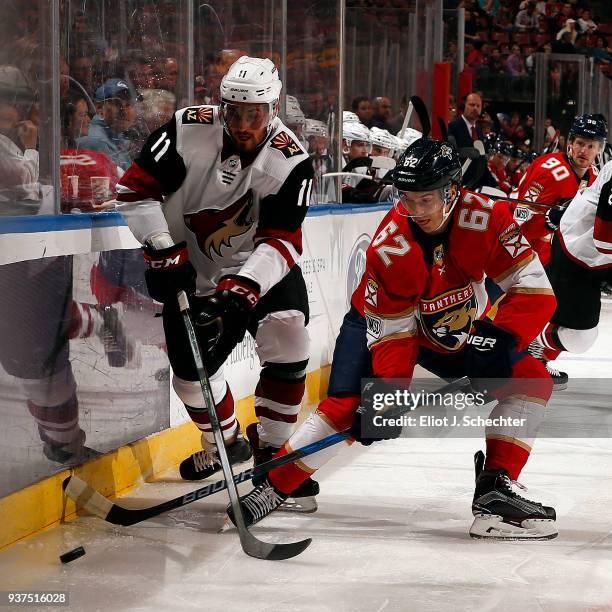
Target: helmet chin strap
449, 201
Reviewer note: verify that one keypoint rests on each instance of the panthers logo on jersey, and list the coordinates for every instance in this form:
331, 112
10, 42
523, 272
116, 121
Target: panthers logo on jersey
285, 144
446, 319
216, 228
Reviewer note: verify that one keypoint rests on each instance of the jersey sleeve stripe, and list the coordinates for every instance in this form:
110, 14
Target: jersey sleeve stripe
292, 238
602, 235
531, 290
396, 336
511, 270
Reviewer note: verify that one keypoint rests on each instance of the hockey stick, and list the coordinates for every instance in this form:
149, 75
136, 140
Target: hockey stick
95, 503
419, 107
250, 544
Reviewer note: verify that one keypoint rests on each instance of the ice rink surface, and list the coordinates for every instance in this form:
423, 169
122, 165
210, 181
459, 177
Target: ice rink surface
391, 533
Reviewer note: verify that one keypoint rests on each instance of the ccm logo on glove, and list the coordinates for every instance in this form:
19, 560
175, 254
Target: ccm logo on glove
239, 287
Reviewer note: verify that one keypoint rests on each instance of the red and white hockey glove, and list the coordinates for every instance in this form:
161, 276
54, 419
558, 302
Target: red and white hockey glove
168, 271
223, 321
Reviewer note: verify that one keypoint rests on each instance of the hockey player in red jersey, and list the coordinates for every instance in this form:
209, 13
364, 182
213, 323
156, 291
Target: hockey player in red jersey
555, 178
499, 157
421, 300
217, 197
581, 260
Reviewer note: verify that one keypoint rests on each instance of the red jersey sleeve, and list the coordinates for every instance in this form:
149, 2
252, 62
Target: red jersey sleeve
395, 279
529, 301
549, 179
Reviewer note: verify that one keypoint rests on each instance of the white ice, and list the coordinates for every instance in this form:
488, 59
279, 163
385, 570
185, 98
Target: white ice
391, 533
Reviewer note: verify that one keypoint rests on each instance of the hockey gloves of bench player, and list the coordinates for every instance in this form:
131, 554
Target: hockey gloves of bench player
168, 271
365, 429
487, 354
223, 321
552, 217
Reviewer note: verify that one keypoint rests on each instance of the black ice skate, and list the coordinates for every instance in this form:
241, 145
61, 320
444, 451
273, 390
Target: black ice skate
500, 513
258, 503
67, 453
560, 379
303, 498
205, 463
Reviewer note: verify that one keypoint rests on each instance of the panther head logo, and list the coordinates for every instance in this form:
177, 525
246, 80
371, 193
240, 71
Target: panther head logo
455, 322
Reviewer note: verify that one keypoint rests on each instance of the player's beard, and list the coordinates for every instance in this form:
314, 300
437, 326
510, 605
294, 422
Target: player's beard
248, 141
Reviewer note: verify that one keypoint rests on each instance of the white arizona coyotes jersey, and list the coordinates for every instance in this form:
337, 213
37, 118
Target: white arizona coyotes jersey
238, 213
585, 231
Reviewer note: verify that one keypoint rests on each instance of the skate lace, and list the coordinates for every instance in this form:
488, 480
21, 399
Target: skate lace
262, 501
205, 458
510, 484
536, 349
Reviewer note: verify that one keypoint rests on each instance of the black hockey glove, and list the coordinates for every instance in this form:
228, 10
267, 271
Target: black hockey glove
487, 353
365, 429
552, 217
223, 321
168, 271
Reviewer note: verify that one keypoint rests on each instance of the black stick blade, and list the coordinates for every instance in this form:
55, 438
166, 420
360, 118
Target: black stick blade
421, 110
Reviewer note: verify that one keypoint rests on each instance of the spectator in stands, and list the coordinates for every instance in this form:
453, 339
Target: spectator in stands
114, 115
526, 19
158, 106
529, 59
166, 76
363, 109
397, 121
464, 129
543, 28
81, 70
382, 112
19, 165
515, 63
564, 45
75, 120
476, 57
490, 7
563, 15
569, 28
495, 63
585, 23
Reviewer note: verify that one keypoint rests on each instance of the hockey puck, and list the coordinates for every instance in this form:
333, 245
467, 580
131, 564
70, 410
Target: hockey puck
71, 555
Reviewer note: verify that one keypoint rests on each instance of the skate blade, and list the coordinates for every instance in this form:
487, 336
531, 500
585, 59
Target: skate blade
492, 526
559, 387
304, 505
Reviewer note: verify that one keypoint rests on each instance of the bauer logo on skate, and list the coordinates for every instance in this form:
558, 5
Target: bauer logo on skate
446, 319
513, 240
216, 228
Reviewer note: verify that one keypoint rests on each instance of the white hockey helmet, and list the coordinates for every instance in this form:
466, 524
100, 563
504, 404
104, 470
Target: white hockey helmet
294, 113
409, 137
314, 127
249, 94
383, 139
251, 79
348, 116
355, 130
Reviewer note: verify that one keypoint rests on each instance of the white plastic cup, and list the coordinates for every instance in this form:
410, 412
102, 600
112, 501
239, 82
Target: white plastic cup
73, 181
100, 188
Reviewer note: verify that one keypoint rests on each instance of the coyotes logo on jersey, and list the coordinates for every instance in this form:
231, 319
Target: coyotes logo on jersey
198, 114
446, 319
285, 144
216, 228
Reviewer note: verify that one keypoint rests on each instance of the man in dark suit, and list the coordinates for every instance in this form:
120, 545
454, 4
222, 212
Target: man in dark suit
464, 129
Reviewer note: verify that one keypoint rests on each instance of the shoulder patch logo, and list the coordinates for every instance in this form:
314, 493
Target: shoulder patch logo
285, 144
513, 240
371, 292
198, 114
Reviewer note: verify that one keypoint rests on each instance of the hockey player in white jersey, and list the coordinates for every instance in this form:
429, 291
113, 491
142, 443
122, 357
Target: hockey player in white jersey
217, 197
581, 259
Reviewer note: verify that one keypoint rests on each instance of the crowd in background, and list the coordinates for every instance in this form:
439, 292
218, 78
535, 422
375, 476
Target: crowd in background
110, 102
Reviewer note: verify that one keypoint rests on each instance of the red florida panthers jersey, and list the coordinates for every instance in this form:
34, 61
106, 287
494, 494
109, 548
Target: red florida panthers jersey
549, 180
424, 290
